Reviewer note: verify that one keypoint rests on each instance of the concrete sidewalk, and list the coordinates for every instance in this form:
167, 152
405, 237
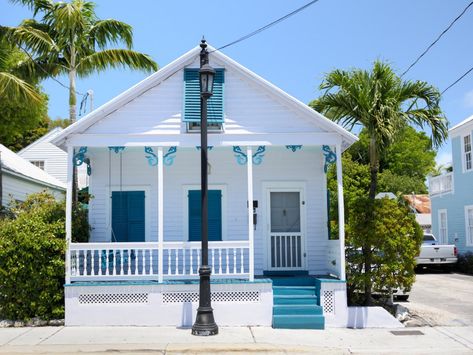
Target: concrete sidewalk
167, 340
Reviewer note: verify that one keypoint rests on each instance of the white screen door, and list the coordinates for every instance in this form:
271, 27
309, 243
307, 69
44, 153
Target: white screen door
286, 245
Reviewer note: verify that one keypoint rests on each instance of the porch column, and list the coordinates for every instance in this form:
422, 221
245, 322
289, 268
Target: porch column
70, 166
251, 235
341, 212
160, 215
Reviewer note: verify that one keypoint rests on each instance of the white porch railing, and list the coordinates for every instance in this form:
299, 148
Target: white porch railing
140, 261
441, 184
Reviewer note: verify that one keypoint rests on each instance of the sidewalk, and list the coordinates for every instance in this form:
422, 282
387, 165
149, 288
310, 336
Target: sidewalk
260, 340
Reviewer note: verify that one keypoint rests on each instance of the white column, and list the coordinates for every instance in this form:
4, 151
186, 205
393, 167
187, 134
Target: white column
251, 234
341, 212
70, 166
160, 215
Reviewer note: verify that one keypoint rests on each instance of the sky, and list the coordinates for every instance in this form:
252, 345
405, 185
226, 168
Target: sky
296, 53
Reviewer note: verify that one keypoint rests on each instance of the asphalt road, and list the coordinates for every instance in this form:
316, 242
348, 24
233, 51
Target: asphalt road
441, 299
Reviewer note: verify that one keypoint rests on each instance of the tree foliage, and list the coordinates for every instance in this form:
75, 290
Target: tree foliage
32, 247
393, 237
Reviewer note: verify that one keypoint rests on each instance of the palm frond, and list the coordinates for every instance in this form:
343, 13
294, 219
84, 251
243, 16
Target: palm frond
12, 87
28, 38
110, 31
115, 58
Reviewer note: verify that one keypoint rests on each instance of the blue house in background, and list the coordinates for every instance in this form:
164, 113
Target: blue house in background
452, 193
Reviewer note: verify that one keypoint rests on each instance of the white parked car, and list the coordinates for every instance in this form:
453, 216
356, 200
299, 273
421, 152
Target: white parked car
433, 253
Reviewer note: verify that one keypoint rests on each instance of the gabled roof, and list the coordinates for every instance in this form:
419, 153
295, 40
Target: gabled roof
16, 165
461, 125
187, 59
46, 138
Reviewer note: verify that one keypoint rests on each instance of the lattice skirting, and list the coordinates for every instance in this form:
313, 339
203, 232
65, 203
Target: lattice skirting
113, 298
329, 302
222, 296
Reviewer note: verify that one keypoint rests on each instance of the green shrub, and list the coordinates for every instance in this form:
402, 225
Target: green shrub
80, 224
384, 235
32, 247
465, 263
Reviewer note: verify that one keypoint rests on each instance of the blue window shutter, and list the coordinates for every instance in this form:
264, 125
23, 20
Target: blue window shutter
214, 215
192, 96
128, 216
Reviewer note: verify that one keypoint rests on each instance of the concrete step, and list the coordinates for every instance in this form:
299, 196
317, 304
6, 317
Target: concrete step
297, 309
294, 300
294, 290
299, 321
293, 281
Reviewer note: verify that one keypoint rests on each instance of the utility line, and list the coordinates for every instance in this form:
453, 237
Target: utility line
261, 29
458, 80
438, 38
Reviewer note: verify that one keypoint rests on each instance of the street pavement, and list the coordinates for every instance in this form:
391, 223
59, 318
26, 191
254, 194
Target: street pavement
231, 340
444, 299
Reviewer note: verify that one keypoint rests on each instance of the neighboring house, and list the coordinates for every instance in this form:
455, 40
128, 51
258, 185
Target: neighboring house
420, 205
452, 193
48, 157
268, 154
20, 178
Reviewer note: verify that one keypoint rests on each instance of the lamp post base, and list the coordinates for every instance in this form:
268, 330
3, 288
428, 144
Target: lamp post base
204, 322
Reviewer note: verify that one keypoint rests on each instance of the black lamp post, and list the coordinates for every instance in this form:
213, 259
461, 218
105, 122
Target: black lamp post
204, 323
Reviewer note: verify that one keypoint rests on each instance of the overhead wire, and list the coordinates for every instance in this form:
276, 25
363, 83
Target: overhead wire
261, 29
438, 38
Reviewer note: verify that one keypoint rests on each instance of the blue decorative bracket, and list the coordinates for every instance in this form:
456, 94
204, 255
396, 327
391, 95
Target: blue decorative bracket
294, 147
242, 158
80, 158
169, 156
117, 149
152, 158
330, 157
209, 147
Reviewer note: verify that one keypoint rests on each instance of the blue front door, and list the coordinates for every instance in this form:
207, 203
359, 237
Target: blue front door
214, 215
128, 216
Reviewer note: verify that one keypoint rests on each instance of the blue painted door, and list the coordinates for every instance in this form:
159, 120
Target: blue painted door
128, 216
214, 215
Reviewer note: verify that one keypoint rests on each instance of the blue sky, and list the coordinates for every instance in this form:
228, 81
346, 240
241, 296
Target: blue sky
296, 53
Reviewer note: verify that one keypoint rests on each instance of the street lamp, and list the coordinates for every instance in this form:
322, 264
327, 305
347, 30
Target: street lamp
204, 322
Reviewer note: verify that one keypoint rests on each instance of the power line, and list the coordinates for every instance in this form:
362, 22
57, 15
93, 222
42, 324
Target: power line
438, 38
261, 29
458, 80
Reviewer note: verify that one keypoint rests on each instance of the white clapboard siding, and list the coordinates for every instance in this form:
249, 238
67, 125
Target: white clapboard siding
55, 159
279, 164
248, 109
17, 189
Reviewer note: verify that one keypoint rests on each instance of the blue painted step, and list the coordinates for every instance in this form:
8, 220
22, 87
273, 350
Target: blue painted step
299, 322
295, 303
303, 309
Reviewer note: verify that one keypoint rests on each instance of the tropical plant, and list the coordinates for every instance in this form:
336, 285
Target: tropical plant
71, 40
383, 104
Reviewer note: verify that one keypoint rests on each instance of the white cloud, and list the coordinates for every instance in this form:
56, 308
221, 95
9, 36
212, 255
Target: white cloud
468, 99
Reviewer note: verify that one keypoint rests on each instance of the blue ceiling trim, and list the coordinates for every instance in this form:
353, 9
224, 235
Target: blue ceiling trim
294, 147
169, 156
330, 157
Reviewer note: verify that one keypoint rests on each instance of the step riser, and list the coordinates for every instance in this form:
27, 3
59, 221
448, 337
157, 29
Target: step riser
295, 301
298, 322
297, 310
293, 292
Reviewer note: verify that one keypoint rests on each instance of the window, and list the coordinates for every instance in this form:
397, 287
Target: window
443, 231
191, 110
38, 163
128, 216
467, 152
211, 127
214, 215
469, 225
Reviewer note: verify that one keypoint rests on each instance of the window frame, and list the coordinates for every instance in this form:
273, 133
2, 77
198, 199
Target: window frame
34, 161
468, 235
210, 127
185, 205
440, 240
464, 153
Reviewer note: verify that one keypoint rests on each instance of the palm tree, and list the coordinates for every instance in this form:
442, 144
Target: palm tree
383, 104
380, 102
79, 42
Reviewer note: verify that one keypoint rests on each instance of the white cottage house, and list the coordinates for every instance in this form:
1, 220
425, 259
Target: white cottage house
272, 260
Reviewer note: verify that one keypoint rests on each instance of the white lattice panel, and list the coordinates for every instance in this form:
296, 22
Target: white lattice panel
228, 296
329, 302
113, 298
